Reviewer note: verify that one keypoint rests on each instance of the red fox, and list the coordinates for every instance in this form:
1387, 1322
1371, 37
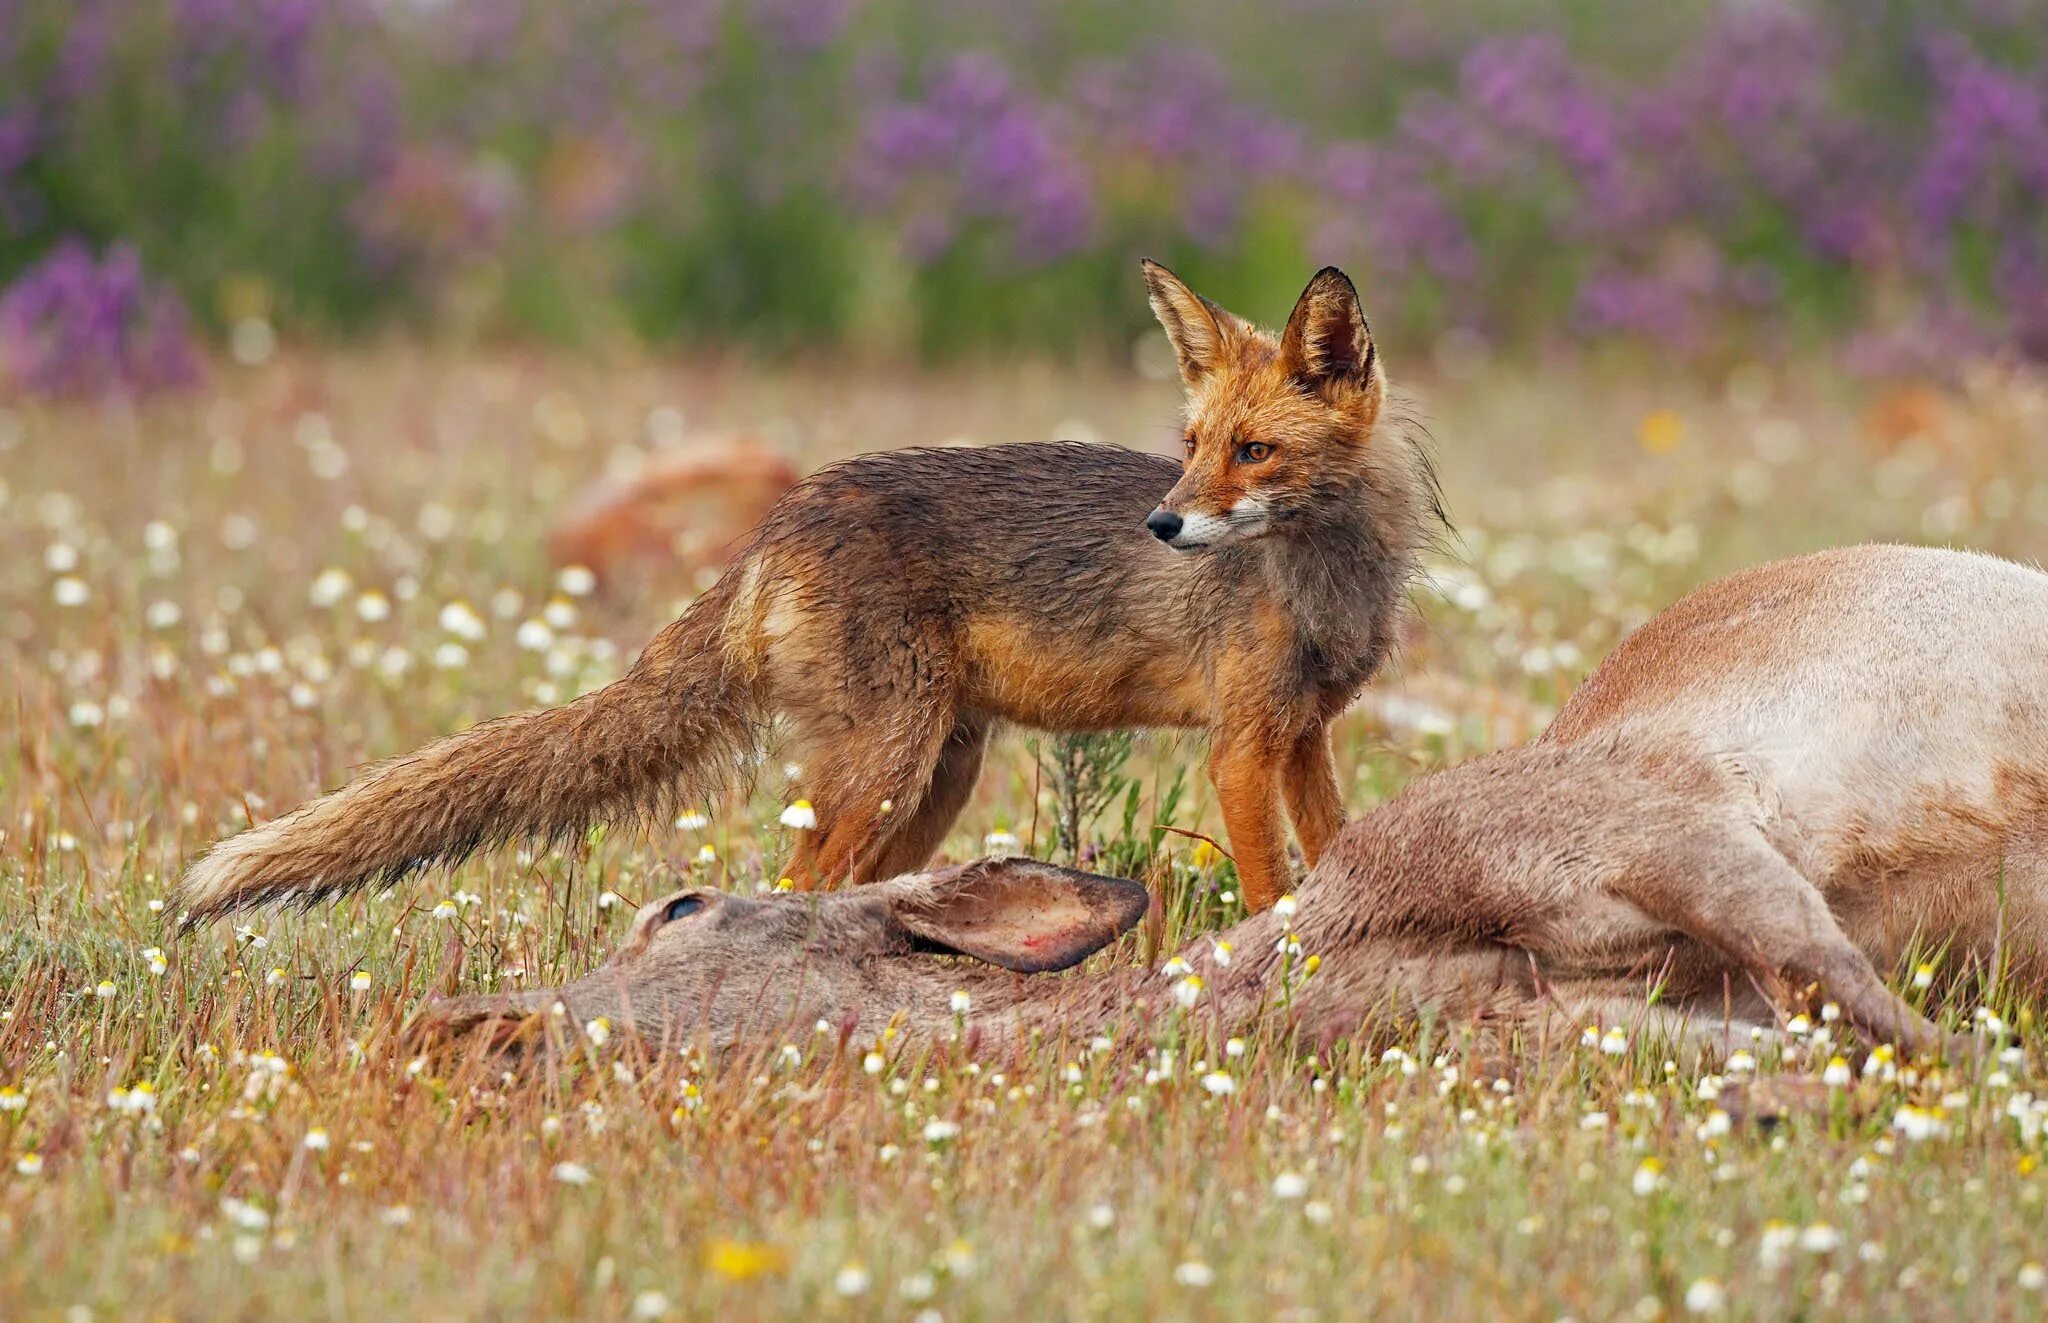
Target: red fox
893, 609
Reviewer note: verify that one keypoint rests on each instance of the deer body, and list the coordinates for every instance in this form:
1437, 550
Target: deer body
1782, 783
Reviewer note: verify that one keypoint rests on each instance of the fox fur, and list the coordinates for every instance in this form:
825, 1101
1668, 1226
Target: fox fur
893, 610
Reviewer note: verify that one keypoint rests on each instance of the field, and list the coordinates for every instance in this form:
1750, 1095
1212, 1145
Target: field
214, 605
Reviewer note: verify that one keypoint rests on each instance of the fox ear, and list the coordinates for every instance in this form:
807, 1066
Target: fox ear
1192, 323
1327, 343
1019, 913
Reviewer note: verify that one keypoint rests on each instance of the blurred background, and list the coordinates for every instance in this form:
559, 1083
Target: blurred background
186, 182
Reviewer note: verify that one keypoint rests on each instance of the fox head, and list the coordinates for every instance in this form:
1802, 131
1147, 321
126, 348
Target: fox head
1276, 426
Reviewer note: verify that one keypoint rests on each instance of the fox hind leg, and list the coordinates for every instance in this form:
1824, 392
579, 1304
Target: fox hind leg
891, 760
909, 839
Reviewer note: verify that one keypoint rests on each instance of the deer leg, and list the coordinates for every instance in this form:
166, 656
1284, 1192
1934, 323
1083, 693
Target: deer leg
1314, 801
911, 838
1735, 893
1246, 773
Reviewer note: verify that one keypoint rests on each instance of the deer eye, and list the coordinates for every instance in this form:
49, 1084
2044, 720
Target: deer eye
1189, 446
1254, 452
682, 907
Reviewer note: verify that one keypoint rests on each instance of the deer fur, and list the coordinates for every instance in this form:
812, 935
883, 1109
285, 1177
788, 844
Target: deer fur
1770, 792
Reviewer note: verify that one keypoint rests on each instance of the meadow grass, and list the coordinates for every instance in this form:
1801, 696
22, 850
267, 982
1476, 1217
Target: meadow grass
215, 606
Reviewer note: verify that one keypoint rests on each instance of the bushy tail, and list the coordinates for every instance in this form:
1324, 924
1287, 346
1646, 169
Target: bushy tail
670, 730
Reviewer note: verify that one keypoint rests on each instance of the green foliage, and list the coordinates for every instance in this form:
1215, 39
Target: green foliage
1084, 773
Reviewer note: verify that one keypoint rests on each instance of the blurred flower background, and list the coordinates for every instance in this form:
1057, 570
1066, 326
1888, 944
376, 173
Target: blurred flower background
917, 178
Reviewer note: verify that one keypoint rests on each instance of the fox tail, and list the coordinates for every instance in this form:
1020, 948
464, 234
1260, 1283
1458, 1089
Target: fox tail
671, 730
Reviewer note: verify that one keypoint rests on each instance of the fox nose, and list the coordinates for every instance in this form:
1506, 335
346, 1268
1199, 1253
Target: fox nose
1165, 524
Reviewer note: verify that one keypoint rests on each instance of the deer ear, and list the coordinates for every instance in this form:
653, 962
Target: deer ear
1019, 913
1327, 343
1191, 322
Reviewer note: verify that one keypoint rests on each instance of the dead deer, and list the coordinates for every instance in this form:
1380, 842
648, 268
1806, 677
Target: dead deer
1774, 789
684, 512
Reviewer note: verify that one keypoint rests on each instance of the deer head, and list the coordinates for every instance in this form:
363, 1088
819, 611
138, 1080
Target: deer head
710, 967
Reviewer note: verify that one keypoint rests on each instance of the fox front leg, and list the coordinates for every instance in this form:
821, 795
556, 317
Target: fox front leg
1314, 800
1247, 775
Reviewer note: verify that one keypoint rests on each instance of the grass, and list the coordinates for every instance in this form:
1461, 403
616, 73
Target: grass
240, 1135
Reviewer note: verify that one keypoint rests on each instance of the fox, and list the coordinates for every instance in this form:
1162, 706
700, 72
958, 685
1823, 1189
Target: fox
1791, 780
893, 610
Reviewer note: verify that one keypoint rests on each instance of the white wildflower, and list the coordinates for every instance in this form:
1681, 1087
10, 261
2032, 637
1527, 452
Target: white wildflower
1775, 1245
1820, 1238
1705, 1296
1920, 1123
329, 587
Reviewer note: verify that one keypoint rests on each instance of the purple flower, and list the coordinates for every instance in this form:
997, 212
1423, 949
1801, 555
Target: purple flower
17, 140
75, 325
1987, 122
801, 26
977, 146
1172, 111
1620, 302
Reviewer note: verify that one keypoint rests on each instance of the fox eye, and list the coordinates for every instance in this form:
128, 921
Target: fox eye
1254, 452
1189, 445
682, 907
